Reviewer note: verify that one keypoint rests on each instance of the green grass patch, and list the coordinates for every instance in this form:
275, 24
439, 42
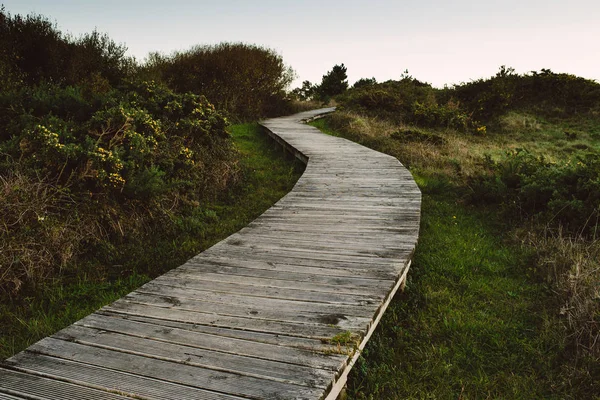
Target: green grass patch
267, 175
470, 323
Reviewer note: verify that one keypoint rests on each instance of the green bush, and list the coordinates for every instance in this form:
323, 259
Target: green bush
408, 101
566, 194
81, 175
247, 81
114, 144
33, 50
544, 92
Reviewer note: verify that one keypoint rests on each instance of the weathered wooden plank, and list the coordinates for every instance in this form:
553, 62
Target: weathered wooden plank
306, 330
125, 384
196, 283
350, 272
174, 372
5, 396
247, 276
314, 345
321, 258
383, 267
243, 268
189, 355
257, 314
216, 341
250, 304
32, 386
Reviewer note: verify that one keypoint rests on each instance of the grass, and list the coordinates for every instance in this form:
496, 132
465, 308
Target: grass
476, 320
267, 176
470, 323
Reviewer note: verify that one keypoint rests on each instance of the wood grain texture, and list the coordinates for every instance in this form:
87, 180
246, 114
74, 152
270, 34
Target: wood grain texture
255, 316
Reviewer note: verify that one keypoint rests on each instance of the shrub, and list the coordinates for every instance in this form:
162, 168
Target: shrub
567, 194
408, 101
544, 92
362, 82
247, 81
34, 51
82, 174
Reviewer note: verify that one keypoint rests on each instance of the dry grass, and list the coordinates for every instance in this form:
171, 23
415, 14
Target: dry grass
517, 122
456, 155
39, 232
571, 265
297, 106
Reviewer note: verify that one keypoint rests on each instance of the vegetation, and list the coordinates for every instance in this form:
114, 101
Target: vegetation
247, 81
112, 172
264, 177
334, 82
109, 177
502, 298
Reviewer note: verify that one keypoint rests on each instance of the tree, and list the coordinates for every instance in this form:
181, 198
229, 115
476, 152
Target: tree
334, 82
306, 92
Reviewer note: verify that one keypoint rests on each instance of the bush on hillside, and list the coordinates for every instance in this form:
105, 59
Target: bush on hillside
533, 187
362, 82
407, 101
544, 92
81, 174
33, 51
247, 81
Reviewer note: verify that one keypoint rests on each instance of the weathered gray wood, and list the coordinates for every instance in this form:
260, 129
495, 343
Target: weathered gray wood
186, 354
291, 328
216, 341
289, 293
316, 346
256, 315
172, 371
41, 387
119, 382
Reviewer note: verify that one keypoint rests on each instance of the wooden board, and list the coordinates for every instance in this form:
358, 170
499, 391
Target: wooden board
261, 314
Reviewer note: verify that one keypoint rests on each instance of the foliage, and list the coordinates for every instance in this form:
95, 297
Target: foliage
474, 106
362, 82
545, 92
334, 82
132, 156
248, 81
566, 194
306, 92
33, 51
408, 101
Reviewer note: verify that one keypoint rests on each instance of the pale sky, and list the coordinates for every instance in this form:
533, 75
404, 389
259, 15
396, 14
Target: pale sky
440, 42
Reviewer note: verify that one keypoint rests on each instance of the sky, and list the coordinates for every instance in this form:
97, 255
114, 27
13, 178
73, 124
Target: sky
440, 42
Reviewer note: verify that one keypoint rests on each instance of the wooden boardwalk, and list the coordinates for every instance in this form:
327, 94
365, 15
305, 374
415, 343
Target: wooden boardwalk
278, 310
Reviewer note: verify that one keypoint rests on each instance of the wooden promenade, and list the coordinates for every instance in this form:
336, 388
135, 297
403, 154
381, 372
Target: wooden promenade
278, 310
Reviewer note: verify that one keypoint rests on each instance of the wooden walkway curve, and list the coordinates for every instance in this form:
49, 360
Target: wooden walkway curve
278, 310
